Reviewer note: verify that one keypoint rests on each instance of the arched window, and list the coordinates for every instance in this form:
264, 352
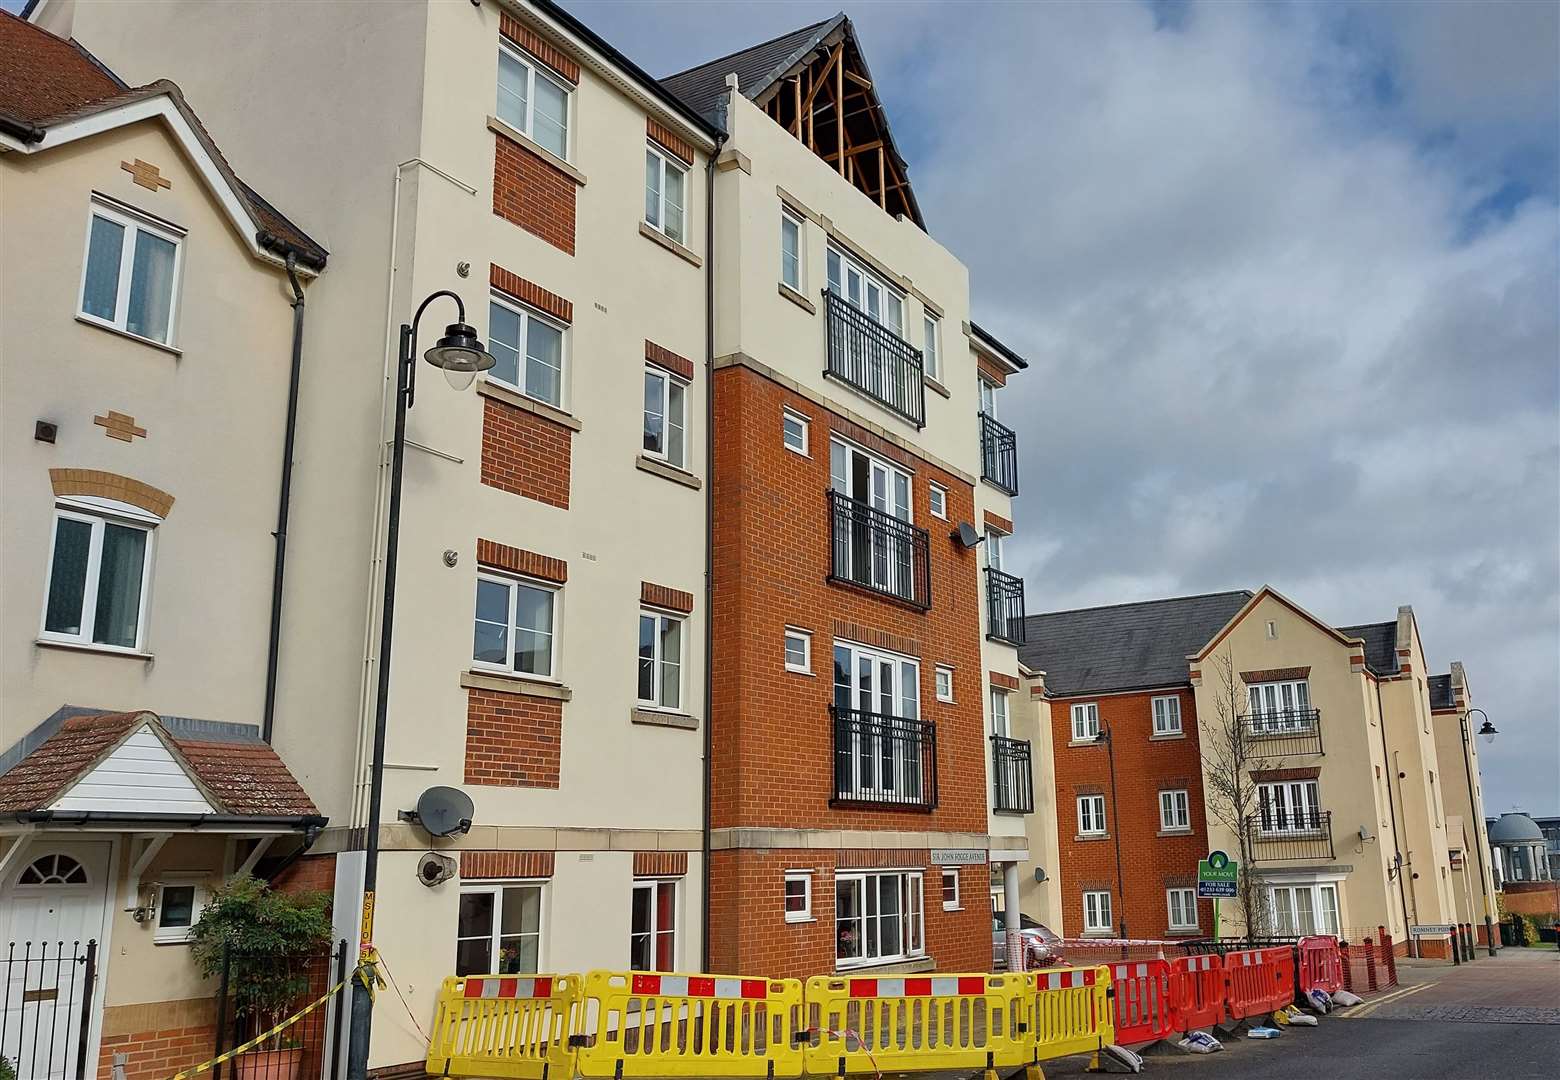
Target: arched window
53, 870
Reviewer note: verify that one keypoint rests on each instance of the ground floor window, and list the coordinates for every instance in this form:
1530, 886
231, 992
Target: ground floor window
1300, 910
652, 938
1096, 912
878, 917
1183, 908
499, 930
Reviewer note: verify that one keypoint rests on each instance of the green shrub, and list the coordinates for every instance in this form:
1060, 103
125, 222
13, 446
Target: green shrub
7, 1070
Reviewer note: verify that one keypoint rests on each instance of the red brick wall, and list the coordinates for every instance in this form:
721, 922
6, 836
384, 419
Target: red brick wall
311, 873
512, 740
533, 193
1151, 863
1531, 897
525, 454
157, 1054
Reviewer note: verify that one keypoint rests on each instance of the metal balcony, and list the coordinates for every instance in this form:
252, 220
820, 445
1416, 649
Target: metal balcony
998, 454
877, 551
869, 356
1004, 607
1012, 776
1279, 835
1282, 733
884, 760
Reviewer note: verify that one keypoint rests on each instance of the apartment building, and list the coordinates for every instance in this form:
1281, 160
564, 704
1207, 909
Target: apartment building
152, 300
1472, 863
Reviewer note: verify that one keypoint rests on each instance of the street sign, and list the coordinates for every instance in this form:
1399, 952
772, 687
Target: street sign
1216, 876
1432, 930
958, 856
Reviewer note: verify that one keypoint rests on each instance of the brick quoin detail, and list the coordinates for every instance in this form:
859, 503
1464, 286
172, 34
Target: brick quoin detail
528, 292
1005, 682
660, 863
533, 193
512, 740
506, 864
664, 135
521, 37
1282, 674
1000, 523
519, 561
663, 597
525, 454
663, 357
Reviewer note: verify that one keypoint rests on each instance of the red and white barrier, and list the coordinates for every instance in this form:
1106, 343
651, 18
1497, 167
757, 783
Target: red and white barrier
1321, 965
508, 986
1142, 995
699, 987
1196, 992
1258, 981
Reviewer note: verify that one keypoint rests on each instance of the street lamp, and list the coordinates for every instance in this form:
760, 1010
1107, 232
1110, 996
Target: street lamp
1488, 731
1115, 813
460, 354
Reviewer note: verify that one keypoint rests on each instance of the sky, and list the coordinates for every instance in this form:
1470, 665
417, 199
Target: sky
1287, 277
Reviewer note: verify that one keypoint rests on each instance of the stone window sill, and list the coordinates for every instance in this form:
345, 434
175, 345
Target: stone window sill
97, 650
669, 244
1175, 832
1081, 838
663, 718
1184, 931
1085, 742
936, 387
893, 967
499, 392
798, 299
1169, 737
514, 684
521, 139
171, 349
668, 472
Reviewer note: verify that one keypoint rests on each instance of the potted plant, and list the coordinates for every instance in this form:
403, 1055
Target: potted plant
268, 940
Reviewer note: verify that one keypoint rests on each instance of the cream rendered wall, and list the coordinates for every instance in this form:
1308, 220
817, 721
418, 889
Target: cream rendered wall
139, 969
222, 404
1042, 901
1455, 767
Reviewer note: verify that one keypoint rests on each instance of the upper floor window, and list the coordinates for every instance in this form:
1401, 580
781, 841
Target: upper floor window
866, 290
937, 500
994, 541
99, 571
1289, 806
665, 185
1091, 815
1085, 721
532, 101
130, 278
793, 431
931, 352
790, 250
1175, 814
1278, 705
1167, 715
660, 660
514, 626
527, 352
988, 398
869, 479
999, 712
666, 407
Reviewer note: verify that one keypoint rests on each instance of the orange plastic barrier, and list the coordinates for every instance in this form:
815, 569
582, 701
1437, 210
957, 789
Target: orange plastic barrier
1142, 1000
1196, 992
1321, 965
1258, 981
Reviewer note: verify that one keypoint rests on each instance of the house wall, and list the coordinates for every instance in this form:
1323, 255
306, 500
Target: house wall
1042, 901
1457, 768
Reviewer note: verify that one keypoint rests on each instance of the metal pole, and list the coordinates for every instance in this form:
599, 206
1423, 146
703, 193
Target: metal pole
1115, 813
88, 985
1478, 831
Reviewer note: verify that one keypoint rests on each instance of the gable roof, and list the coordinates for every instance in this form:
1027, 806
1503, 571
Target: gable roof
1135, 646
1380, 645
757, 67
53, 91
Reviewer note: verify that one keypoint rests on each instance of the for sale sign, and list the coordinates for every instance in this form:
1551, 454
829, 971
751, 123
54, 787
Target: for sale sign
1216, 876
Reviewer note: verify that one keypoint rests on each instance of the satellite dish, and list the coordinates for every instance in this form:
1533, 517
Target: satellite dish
966, 535
445, 811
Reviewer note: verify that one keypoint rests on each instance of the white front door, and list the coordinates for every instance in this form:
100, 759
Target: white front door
51, 905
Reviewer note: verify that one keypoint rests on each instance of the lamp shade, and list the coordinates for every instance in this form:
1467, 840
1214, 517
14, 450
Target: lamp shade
460, 354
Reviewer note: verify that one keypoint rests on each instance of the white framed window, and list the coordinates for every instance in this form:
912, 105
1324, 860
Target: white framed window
1182, 905
994, 542
666, 182
878, 917
988, 397
1091, 815
514, 626
1304, 909
1290, 806
531, 101
798, 650
1167, 715
666, 417
498, 930
1085, 721
99, 577
950, 889
528, 351
179, 903
1096, 913
865, 289
660, 660
999, 711
931, 346
937, 497
652, 937
130, 274
793, 431
790, 249
879, 557
798, 896
882, 760
943, 682
1280, 706
1175, 813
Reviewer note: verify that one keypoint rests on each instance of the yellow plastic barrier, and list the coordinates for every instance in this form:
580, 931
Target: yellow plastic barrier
863, 1024
642, 1025
514, 1027
1071, 1011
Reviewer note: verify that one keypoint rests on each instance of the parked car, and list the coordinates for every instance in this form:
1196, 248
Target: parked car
1042, 948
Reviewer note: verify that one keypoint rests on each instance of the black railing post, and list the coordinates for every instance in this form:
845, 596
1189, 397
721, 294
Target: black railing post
874, 359
1012, 770
88, 985
998, 454
222, 999
884, 760
878, 551
1004, 607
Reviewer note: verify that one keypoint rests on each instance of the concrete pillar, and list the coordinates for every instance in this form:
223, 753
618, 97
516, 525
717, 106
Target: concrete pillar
1015, 940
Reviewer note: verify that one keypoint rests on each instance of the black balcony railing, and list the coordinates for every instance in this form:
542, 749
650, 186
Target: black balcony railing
1004, 607
1282, 732
878, 551
1277, 834
875, 360
998, 454
884, 760
1012, 776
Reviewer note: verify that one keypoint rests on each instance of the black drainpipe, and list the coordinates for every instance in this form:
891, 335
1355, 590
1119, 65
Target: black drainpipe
709, 534
1397, 850
274, 645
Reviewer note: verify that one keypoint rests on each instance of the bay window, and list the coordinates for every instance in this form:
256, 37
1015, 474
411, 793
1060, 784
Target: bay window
878, 917
1303, 909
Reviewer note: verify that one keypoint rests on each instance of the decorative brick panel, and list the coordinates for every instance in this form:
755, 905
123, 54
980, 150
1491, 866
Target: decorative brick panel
533, 193
528, 292
169, 1036
519, 561
660, 863
506, 864
512, 740
107, 485
879, 858
669, 140
522, 37
1282, 674
993, 371
662, 597
1006, 682
880, 638
664, 357
1269, 776
312, 873
525, 454
1001, 524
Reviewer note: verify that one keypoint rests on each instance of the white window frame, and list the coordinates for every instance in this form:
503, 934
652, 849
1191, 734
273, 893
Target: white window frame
805, 637
988, 396
937, 500
535, 70
1284, 807
790, 217
673, 163
804, 423
652, 885
1001, 718
951, 873
931, 347
843, 265
99, 513
510, 581
665, 454
805, 877
1175, 803
528, 315
941, 672
179, 935
1091, 816
1097, 916
132, 223
1085, 721
1279, 706
1167, 708
1188, 904
1316, 889
912, 916
994, 545
658, 663
496, 888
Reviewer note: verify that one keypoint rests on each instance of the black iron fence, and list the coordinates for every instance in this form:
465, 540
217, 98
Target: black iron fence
45, 1003
1004, 606
1282, 732
1012, 776
878, 551
1277, 834
884, 760
998, 454
875, 360
257, 992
